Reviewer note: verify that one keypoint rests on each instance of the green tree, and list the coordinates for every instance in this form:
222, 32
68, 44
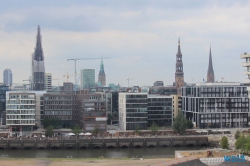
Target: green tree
247, 144
180, 123
154, 128
240, 143
95, 131
224, 143
237, 134
190, 124
76, 130
137, 130
49, 131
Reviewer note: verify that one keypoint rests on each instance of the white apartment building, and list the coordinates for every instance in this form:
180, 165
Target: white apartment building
133, 111
23, 111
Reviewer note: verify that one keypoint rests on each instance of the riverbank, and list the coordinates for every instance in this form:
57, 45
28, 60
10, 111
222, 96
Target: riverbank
78, 162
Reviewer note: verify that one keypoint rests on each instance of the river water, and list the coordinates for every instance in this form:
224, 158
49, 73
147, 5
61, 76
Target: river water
90, 153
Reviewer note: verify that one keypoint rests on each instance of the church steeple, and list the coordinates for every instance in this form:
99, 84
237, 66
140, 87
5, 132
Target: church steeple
38, 69
179, 75
102, 76
210, 71
38, 49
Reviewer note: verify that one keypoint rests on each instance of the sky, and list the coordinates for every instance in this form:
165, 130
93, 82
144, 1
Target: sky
140, 38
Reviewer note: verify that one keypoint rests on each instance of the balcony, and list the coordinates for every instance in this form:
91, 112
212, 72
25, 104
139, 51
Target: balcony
242, 56
247, 72
245, 64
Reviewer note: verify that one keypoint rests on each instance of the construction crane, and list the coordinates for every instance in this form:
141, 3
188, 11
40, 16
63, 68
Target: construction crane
77, 59
129, 80
67, 76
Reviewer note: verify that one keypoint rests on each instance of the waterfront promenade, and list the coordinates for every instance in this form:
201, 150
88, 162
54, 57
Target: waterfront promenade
118, 142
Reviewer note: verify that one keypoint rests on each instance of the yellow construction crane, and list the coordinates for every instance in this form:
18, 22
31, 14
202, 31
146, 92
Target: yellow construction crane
77, 59
67, 76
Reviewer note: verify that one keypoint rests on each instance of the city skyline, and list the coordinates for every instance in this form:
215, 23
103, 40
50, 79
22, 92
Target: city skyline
139, 37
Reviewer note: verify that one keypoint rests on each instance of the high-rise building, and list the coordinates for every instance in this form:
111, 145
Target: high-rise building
87, 78
210, 70
38, 69
246, 64
102, 76
7, 77
48, 81
179, 75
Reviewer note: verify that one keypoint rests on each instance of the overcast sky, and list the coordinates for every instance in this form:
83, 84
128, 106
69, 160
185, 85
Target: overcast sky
139, 36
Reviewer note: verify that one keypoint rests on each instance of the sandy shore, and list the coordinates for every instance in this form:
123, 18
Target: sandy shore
78, 162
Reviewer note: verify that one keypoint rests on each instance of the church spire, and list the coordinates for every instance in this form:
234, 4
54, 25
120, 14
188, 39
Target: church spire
102, 76
38, 49
179, 46
210, 71
179, 75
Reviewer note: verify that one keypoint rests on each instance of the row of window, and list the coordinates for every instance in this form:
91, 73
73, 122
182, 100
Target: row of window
20, 112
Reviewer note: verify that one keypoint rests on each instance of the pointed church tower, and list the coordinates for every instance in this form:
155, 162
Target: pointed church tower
102, 76
210, 70
179, 75
38, 69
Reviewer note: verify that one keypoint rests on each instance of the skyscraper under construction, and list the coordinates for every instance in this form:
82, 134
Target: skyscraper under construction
38, 69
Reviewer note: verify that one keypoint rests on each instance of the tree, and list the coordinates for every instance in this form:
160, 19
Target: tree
154, 128
95, 131
137, 130
190, 124
247, 144
49, 131
76, 130
240, 143
180, 123
224, 143
237, 134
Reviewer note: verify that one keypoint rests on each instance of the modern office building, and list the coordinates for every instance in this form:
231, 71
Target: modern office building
160, 110
102, 75
210, 70
48, 81
216, 105
23, 111
87, 78
61, 106
163, 90
133, 111
38, 69
179, 75
3, 90
92, 119
168, 91
158, 83
91, 111
7, 77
